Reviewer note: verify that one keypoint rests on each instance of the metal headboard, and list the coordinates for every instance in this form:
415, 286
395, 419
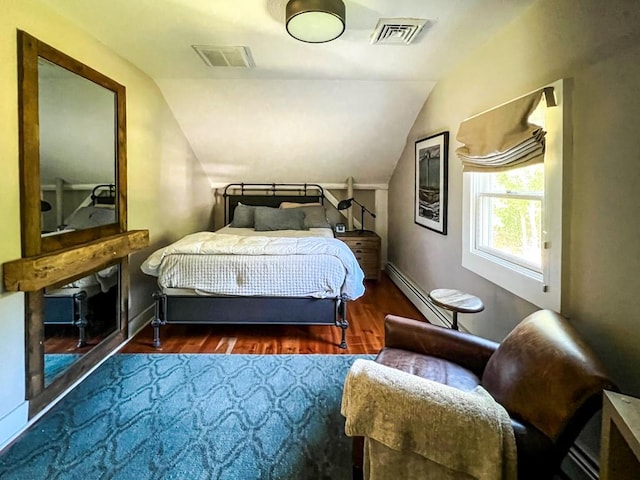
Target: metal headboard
98, 197
269, 195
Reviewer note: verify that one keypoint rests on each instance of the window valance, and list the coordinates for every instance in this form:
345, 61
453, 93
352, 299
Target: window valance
503, 137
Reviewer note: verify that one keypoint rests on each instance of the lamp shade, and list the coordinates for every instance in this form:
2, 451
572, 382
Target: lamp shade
344, 204
315, 21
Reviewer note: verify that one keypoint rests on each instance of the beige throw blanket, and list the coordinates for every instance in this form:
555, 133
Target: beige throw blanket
417, 428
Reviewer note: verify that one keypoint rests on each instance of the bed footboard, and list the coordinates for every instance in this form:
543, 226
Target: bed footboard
341, 320
68, 309
159, 318
189, 309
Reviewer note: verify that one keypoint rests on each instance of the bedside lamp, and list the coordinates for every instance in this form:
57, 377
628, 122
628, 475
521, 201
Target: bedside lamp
344, 204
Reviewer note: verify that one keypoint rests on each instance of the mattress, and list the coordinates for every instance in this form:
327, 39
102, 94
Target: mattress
258, 265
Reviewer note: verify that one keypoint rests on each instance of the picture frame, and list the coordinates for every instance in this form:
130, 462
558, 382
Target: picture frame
431, 182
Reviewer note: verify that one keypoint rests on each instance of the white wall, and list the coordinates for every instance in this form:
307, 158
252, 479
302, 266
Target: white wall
597, 46
167, 189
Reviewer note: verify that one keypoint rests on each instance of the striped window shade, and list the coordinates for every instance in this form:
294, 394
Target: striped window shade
503, 137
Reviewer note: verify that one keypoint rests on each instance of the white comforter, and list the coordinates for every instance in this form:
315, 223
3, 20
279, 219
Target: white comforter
231, 248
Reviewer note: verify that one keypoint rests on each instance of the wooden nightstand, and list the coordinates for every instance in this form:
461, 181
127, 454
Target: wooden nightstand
365, 246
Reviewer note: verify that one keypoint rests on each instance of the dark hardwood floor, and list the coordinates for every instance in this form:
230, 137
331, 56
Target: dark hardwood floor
364, 335
65, 340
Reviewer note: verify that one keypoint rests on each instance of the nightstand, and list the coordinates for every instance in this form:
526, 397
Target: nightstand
365, 246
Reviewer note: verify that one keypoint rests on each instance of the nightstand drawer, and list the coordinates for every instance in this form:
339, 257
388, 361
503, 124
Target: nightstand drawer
366, 248
364, 251
358, 242
366, 257
369, 266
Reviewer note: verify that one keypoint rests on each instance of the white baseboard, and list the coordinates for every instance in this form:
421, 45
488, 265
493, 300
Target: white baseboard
418, 297
13, 423
140, 321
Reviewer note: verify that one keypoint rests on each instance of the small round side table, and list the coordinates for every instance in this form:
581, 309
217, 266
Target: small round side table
456, 301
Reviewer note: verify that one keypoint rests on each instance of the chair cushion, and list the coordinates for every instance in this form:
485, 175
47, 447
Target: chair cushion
432, 368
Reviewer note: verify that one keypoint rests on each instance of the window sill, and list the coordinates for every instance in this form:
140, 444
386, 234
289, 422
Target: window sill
526, 284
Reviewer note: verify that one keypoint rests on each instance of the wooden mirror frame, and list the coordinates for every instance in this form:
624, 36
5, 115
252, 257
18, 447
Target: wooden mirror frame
35, 246
29, 50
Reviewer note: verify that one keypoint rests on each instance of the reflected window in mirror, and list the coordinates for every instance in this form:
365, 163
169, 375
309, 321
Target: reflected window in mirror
77, 150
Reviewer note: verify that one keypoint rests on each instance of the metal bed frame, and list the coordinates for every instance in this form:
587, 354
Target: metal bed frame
190, 309
68, 309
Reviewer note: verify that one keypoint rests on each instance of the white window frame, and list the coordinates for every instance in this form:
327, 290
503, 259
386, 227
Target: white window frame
544, 288
480, 190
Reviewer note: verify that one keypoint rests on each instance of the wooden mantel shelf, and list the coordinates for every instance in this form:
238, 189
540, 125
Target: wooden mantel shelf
34, 273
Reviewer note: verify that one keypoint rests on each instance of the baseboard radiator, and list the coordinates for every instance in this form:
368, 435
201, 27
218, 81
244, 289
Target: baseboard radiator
578, 465
418, 297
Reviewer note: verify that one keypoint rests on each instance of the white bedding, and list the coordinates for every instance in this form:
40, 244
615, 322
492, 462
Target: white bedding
258, 265
92, 284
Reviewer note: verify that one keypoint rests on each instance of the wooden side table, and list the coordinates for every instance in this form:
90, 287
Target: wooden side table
456, 301
365, 245
620, 455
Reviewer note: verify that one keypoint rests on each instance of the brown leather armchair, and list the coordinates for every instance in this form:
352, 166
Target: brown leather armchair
543, 374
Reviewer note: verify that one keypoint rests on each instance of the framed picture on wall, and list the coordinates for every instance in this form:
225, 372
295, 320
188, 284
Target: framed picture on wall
430, 210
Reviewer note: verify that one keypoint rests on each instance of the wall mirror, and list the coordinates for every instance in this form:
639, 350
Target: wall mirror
72, 193
77, 151
73, 151
78, 316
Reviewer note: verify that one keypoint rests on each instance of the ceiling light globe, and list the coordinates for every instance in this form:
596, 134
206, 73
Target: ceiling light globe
315, 21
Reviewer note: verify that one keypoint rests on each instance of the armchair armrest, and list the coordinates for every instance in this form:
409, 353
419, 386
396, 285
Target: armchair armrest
469, 351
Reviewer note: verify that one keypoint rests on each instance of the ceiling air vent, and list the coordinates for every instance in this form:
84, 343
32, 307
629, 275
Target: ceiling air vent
225, 56
397, 31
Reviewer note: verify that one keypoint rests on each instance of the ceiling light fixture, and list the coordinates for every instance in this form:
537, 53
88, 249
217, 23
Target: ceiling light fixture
315, 21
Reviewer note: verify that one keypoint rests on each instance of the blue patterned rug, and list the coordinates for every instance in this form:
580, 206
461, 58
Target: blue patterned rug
194, 417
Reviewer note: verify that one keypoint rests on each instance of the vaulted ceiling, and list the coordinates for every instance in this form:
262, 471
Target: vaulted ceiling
306, 112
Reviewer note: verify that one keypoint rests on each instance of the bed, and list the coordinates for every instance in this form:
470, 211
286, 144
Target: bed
262, 272
75, 303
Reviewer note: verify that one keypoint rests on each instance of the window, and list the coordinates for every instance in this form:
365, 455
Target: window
512, 219
508, 215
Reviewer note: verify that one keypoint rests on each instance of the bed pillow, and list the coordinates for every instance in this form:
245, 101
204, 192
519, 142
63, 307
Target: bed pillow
268, 219
315, 217
243, 216
296, 205
315, 213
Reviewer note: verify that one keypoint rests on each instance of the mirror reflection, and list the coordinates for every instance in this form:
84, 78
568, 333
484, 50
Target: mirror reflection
77, 151
77, 317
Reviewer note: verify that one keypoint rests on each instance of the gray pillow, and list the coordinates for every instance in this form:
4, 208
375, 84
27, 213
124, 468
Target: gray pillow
268, 219
243, 217
315, 217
